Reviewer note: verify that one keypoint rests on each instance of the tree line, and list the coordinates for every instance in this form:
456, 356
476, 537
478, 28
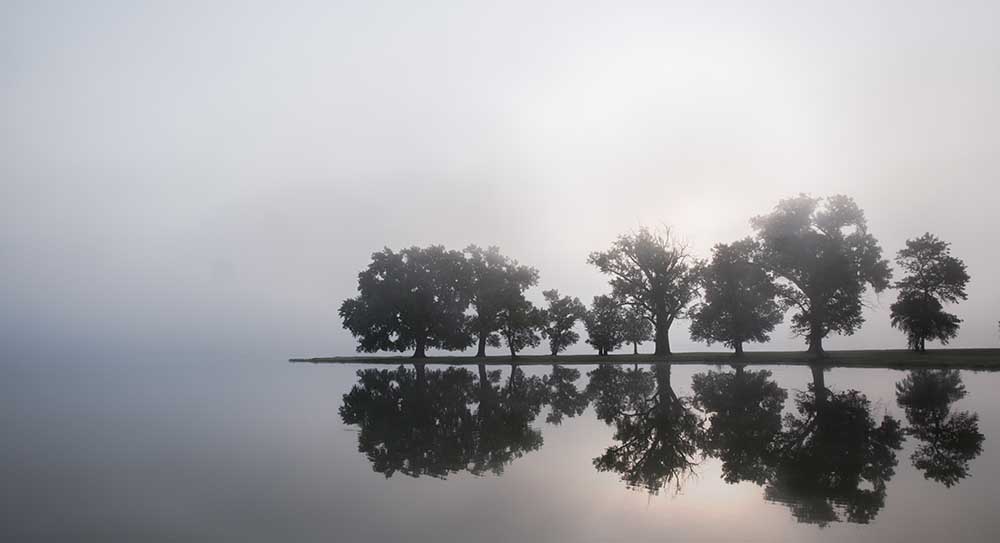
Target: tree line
812, 256
828, 459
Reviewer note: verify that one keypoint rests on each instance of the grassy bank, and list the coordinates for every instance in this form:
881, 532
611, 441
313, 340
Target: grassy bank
974, 359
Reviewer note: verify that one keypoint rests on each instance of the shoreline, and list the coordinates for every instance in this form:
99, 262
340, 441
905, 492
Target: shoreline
970, 359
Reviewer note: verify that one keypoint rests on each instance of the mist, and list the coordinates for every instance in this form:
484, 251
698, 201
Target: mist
191, 182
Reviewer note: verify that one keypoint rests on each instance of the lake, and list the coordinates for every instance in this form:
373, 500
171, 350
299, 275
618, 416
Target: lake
266, 451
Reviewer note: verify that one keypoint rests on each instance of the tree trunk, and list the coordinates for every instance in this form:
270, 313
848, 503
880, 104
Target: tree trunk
513, 353
482, 345
923, 345
815, 339
662, 337
421, 376
419, 353
819, 384
739, 347
635, 348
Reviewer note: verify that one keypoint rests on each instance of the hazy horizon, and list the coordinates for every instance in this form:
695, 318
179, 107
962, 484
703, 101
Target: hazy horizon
198, 182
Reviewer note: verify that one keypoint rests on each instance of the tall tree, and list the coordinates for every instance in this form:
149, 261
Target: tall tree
823, 252
496, 282
637, 327
415, 298
560, 318
605, 324
519, 323
652, 272
933, 277
739, 298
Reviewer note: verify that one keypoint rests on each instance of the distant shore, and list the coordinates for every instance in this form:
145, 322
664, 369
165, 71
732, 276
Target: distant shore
972, 359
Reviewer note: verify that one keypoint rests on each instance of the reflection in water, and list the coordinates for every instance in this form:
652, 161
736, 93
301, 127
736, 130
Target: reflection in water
744, 416
656, 432
948, 441
829, 460
833, 461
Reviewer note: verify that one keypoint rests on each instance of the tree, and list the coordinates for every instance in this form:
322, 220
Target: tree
933, 278
415, 298
560, 318
739, 298
651, 272
562, 394
605, 324
825, 257
519, 323
496, 282
637, 328
948, 441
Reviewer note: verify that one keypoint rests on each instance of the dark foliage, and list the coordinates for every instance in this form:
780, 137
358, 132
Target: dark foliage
825, 257
413, 299
559, 319
605, 324
739, 298
496, 283
653, 273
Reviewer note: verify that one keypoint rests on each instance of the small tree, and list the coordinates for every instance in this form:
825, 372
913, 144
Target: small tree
933, 278
415, 298
496, 282
637, 328
560, 318
652, 272
520, 323
739, 298
605, 324
825, 258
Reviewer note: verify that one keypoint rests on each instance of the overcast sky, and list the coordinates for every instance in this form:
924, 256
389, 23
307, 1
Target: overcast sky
188, 181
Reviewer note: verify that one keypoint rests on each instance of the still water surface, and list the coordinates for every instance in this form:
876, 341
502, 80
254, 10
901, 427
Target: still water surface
264, 451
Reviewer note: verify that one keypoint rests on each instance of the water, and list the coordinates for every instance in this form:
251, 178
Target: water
260, 451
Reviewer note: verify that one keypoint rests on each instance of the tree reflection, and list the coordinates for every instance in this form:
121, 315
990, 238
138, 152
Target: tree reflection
562, 394
416, 422
833, 461
656, 432
744, 415
948, 441
438, 422
503, 419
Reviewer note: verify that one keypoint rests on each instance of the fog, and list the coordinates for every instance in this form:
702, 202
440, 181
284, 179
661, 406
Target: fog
181, 181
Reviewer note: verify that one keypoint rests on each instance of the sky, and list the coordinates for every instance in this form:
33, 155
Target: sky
204, 180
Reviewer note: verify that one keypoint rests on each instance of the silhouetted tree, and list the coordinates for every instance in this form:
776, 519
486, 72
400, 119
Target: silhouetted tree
826, 257
833, 460
739, 298
562, 394
560, 318
949, 441
651, 272
656, 432
497, 282
605, 324
744, 414
520, 323
637, 327
933, 277
415, 298
413, 421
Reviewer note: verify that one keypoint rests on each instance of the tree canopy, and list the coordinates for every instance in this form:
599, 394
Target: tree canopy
739, 298
605, 324
519, 323
559, 319
652, 272
636, 327
825, 256
415, 298
496, 282
933, 277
